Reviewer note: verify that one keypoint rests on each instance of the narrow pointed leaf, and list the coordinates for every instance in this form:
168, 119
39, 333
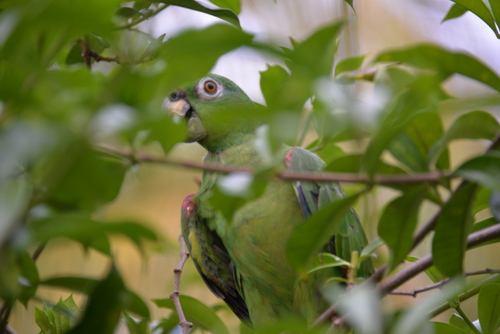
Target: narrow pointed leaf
480, 10
455, 11
489, 308
312, 234
223, 14
451, 231
446, 63
233, 5
398, 222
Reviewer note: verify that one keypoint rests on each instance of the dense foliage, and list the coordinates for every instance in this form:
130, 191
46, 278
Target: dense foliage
57, 113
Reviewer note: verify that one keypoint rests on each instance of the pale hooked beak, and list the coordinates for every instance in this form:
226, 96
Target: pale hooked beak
177, 103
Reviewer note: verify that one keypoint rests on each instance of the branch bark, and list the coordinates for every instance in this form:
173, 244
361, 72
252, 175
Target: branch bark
432, 177
185, 325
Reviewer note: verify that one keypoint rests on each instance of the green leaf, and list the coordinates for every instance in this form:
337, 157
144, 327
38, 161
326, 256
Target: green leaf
455, 11
57, 318
196, 312
370, 248
398, 222
488, 305
495, 8
312, 234
482, 200
354, 164
136, 326
102, 312
233, 5
451, 231
483, 170
274, 85
444, 62
413, 145
131, 301
223, 14
29, 278
191, 54
349, 64
480, 10
444, 328
350, 3
127, 12
472, 125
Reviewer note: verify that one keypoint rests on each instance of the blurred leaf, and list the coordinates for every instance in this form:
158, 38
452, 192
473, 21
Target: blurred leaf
354, 164
488, 305
233, 5
349, 64
74, 55
29, 278
191, 54
289, 326
197, 313
313, 233
455, 11
329, 152
482, 200
444, 328
273, 83
88, 232
420, 96
413, 145
102, 312
136, 326
483, 170
127, 12
451, 231
350, 3
370, 248
481, 11
398, 222
472, 125
446, 63
457, 321
88, 179
494, 204
15, 195
223, 14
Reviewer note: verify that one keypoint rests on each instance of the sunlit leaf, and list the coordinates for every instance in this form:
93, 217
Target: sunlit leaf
233, 5
488, 305
480, 9
349, 64
444, 328
444, 62
223, 14
453, 226
455, 11
196, 312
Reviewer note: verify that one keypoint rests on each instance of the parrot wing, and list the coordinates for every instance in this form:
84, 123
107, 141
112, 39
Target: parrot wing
212, 260
312, 196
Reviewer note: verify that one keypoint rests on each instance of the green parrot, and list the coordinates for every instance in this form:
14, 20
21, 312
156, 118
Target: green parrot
244, 261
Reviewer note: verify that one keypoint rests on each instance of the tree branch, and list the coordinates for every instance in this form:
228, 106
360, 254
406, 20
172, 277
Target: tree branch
432, 177
413, 293
412, 270
185, 325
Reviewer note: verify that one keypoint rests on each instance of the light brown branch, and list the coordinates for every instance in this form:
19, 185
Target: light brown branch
413, 293
185, 325
432, 177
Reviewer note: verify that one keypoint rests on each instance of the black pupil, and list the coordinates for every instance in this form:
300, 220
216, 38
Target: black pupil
210, 87
173, 96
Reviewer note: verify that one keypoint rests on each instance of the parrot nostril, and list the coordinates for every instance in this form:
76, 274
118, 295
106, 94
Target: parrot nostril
177, 95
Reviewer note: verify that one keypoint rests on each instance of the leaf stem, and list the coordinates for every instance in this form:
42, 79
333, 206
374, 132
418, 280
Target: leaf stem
467, 320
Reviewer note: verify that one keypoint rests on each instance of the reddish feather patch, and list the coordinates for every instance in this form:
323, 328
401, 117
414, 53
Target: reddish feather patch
188, 205
288, 158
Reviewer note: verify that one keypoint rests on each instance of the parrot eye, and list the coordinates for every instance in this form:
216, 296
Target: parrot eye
210, 87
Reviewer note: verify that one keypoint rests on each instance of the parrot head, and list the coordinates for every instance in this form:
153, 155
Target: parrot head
217, 112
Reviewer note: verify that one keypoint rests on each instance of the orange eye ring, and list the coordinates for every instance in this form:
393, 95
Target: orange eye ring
210, 87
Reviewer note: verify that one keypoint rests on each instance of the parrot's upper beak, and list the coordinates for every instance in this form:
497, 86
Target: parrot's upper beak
177, 103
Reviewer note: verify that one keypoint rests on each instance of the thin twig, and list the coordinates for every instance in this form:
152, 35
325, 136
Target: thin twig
432, 177
185, 325
413, 293
142, 18
413, 269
